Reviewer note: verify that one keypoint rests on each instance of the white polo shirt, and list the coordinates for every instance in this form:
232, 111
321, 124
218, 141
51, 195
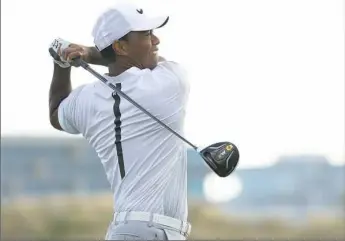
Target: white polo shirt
145, 164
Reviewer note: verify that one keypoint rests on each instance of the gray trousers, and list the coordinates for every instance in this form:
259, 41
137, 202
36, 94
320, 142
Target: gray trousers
140, 230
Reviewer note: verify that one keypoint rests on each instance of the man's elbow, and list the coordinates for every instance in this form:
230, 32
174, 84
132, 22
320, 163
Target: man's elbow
54, 120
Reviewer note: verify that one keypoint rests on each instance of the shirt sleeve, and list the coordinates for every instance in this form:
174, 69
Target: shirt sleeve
177, 71
69, 112
175, 68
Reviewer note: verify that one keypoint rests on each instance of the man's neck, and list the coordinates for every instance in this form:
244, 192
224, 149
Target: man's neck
120, 66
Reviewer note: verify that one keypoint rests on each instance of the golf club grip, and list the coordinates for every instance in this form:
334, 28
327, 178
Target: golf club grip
80, 62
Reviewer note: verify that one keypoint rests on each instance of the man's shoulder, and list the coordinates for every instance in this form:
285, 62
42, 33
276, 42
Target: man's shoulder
79, 89
81, 93
86, 88
171, 67
170, 64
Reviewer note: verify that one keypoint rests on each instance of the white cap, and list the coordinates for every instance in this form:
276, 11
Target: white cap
121, 19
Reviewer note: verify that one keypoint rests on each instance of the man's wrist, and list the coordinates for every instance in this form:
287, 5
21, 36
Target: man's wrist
95, 57
58, 67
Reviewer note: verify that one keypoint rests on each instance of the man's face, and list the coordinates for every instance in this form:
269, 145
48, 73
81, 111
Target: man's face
142, 48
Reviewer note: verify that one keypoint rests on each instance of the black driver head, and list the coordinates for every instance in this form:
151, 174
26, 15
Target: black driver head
221, 157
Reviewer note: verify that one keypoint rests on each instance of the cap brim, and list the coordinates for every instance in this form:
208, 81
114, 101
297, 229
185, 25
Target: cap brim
152, 24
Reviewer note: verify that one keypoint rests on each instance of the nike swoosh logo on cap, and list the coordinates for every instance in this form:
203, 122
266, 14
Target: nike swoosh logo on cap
140, 11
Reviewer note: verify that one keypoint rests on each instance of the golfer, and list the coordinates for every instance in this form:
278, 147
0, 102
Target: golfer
145, 164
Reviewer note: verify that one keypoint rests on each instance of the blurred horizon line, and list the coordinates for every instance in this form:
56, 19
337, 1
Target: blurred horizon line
73, 138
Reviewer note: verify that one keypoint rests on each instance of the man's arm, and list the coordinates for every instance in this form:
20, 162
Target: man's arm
89, 54
60, 88
95, 57
63, 102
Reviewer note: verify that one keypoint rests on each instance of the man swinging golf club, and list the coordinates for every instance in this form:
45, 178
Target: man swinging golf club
137, 137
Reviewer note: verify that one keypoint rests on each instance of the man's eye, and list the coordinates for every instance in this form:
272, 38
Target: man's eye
148, 33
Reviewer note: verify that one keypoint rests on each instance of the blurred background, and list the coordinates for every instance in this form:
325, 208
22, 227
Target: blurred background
53, 187
276, 65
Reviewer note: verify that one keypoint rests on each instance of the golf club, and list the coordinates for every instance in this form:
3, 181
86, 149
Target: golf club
221, 157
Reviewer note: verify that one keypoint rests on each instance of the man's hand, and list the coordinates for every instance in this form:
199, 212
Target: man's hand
74, 51
68, 51
58, 45
89, 54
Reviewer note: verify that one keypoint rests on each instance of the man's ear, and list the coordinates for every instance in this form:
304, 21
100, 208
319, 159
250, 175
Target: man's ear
120, 48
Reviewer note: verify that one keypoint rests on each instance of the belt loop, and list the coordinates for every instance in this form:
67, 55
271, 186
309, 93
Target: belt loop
150, 223
125, 218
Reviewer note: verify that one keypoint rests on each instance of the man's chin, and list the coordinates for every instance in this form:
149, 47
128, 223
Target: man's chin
153, 64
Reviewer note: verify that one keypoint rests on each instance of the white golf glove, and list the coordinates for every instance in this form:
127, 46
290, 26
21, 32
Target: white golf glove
59, 45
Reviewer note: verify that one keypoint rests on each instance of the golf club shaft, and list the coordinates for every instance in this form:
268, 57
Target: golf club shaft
119, 92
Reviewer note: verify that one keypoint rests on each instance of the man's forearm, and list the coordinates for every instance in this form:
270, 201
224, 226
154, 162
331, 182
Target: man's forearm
60, 88
96, 58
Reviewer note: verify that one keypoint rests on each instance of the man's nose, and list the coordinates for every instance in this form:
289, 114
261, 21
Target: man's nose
155, 40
